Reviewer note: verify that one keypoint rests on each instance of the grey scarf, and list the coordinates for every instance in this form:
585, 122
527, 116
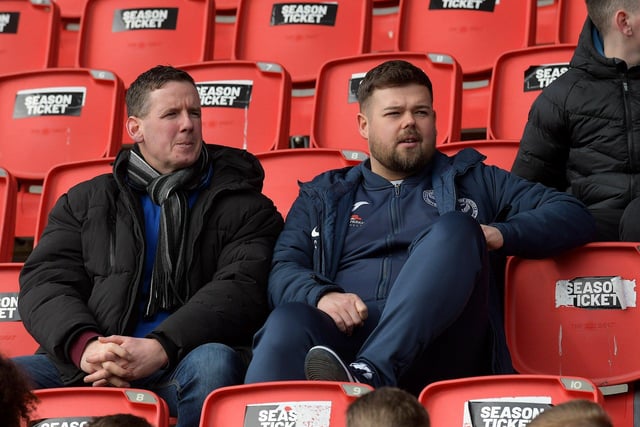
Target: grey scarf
169, 287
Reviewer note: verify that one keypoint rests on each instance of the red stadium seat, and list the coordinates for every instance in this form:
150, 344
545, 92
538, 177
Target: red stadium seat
60, 179
475, 37
14, 338
284, 168
71, 9
8, 198
59, 116
500, 153
245, 104
74, 406
302, 36
224, 32
334, 123
69, 33
570, 20
501, 400
518, 78
299, 403
129, 37
28, 35
227, 5
384, 25
546, 16
570, 314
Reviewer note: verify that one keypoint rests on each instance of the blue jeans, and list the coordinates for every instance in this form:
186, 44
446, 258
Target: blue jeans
203, 370
433, 324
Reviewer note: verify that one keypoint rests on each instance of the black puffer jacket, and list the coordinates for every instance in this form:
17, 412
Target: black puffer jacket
85, 272
583, 132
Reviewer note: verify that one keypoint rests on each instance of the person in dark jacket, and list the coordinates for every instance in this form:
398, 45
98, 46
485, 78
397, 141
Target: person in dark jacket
154, 276
382, 272
583, 131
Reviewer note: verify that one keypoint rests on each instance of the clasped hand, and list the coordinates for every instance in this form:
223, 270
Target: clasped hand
347, 310
117, 360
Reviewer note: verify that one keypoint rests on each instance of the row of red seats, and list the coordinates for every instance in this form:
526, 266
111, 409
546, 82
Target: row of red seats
513, 400
568, 317
271, 32
76, 114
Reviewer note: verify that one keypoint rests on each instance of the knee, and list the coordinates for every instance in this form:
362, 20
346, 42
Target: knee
454, 228
288, 324
216, 362
458, 223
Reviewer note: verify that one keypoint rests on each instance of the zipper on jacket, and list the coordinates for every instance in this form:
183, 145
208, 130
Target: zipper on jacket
629, 128
112, 243
394, 214
318, 252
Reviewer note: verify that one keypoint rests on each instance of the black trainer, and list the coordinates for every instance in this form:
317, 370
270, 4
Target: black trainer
323, 364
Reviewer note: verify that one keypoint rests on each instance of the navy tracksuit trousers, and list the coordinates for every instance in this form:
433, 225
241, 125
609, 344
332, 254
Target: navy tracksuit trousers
433, 325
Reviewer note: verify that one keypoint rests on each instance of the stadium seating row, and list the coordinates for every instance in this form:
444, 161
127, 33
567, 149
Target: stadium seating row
472, 401
298, 36
63, 115
565, 316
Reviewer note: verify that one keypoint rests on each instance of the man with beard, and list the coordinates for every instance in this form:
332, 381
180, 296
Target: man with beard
385, 272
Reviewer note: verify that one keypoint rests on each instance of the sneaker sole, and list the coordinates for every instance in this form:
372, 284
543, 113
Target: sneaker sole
323, 364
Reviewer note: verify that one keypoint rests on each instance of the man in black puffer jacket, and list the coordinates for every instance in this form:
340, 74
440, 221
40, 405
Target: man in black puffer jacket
583, 132
154, 276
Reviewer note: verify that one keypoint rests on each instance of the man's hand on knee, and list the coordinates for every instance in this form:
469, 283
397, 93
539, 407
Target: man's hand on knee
347, 310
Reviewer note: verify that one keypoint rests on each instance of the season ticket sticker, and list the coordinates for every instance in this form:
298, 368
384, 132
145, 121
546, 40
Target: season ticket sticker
504, 411
598, 292
288, 414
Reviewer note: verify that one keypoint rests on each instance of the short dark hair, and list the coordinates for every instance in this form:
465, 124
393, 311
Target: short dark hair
573, 413
119, 420
392, 74
17, 400
601, 11
151, 80
389, 407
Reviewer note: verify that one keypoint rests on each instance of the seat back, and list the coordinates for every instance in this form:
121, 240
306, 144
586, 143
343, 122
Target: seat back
131, 36
71, 9
245, 104
570, 314
60, 179
227, 5
334, 123
77, 405
501, 400
8, 199
570, 20
301, 36
14, 338
475, 35
284, 168
518, 78
28, 35
500, 153
58, 116
301, 403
